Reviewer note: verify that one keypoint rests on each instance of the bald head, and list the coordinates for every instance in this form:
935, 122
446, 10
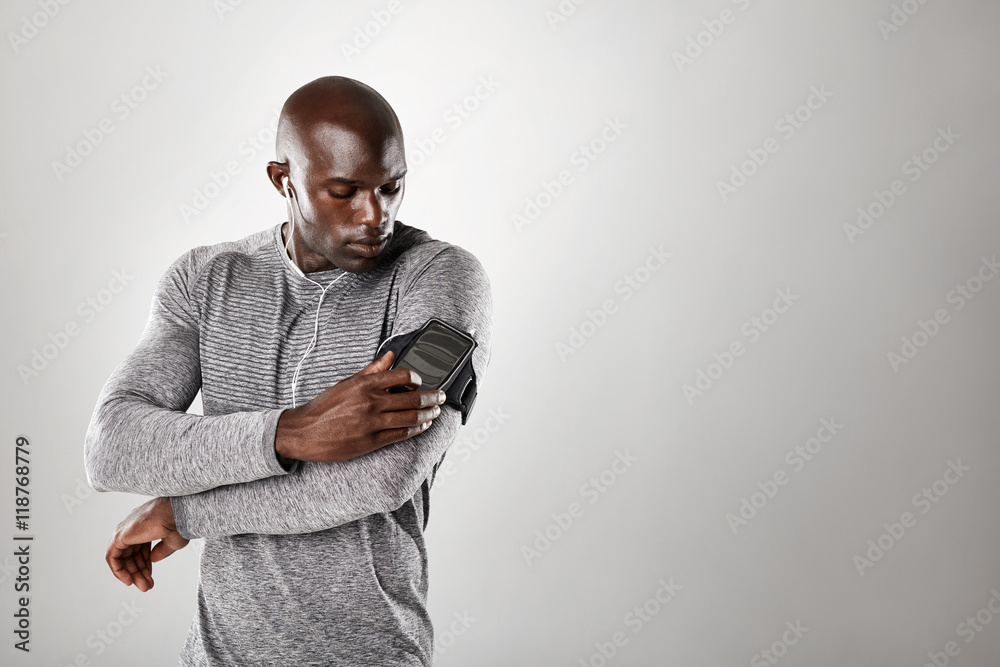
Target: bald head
341, 166
328, 106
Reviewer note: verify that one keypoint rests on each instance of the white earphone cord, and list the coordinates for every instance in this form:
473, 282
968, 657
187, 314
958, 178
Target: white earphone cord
312, 343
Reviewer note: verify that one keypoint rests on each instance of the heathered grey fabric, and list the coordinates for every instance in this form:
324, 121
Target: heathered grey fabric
325, 563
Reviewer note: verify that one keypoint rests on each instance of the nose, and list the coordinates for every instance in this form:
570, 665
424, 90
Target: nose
372, 209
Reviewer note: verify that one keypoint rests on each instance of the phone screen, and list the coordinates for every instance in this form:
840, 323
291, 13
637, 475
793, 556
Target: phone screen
435, 355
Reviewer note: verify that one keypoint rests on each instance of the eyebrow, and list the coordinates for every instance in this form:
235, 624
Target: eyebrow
349, 181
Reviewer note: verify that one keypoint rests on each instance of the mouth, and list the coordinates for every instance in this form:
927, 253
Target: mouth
369, 248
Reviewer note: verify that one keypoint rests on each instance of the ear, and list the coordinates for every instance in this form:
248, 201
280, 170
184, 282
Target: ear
277, 172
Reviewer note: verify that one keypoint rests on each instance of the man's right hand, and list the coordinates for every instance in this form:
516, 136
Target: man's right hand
358, 415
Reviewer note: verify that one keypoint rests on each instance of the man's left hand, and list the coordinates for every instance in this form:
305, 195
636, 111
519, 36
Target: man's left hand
130, 555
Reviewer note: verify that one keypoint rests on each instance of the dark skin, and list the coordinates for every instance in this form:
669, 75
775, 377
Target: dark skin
340, 157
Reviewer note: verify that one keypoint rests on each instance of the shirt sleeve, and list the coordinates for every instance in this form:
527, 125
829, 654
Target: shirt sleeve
141, 440
316, 496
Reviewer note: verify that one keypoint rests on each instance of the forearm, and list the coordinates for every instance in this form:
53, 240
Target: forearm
141, 440
318, 496
136, 447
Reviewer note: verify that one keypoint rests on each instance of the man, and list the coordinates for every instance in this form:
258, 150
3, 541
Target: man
307, 477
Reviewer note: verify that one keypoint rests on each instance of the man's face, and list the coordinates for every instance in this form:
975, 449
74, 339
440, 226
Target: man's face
348, 184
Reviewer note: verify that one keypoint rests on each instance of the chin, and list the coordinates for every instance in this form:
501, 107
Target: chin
360, 264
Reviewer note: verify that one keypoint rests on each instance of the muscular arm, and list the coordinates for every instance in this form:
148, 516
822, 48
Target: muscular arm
317, 496
140, 440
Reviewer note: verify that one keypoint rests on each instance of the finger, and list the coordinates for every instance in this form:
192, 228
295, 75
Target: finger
127, 568
137, 533
136, 564
408, 418
146, 567
383, 363
397, 377
116, 563
168, 545
118, 559
413, 400
392, 435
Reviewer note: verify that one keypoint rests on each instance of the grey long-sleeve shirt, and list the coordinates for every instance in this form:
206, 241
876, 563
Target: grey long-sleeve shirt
321, 563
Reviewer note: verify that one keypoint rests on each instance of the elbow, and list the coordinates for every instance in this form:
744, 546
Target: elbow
96, 462
408, 483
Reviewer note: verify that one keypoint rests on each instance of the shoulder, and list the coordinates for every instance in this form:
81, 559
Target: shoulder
183, 283
248, 247
192, 264
423, 257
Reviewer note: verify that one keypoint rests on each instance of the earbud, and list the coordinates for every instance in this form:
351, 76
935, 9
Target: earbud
291, 223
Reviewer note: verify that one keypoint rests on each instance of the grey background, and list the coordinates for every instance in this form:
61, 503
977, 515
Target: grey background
565, 417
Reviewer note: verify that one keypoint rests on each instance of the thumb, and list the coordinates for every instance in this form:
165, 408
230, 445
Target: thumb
381, 364
168, 545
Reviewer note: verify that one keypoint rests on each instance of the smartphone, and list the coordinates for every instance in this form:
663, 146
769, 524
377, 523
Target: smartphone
437, 352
